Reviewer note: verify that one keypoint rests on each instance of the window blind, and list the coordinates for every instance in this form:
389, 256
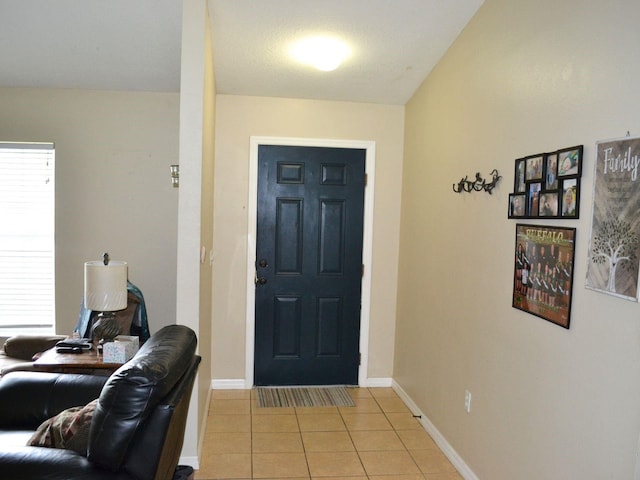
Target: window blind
27, 225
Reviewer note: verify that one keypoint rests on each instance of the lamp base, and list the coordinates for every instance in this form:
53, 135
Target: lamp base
105, 328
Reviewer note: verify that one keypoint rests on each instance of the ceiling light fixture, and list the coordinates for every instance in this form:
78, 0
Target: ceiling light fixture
323, 53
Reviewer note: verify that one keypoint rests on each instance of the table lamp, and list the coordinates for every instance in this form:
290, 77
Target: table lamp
105, 291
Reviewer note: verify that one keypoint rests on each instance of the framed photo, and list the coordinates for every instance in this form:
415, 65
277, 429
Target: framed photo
517, 205
570, 161
533, 169
543, 272
533, 199
548, 204
570, 200
520, 186
551, 171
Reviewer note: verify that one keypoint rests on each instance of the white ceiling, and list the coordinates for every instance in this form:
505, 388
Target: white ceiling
135, 45
92, 44
396, 43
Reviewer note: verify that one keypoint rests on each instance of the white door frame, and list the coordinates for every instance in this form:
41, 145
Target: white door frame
367, 241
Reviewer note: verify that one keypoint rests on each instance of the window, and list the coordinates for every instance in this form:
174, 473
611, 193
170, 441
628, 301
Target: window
27, 286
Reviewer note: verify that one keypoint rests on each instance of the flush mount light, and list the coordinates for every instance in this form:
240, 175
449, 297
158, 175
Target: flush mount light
323, 53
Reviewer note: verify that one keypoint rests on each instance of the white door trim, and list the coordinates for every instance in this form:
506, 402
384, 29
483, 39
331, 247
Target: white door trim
367, 241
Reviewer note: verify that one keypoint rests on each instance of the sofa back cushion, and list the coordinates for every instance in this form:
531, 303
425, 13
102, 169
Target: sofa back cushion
29, 398
134, 390
156, 448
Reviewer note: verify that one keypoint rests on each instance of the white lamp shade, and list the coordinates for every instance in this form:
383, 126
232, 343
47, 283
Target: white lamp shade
105, 286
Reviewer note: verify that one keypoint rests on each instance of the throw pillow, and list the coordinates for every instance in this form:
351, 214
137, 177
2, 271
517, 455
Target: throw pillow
69, 429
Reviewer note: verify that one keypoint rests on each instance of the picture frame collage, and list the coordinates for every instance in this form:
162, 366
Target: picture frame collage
547, 185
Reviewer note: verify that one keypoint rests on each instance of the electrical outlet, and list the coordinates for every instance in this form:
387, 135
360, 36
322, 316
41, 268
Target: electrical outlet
467, 401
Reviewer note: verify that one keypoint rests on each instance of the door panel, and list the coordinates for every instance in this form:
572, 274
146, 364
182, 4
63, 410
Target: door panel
331, 233
329, 321
308, 265
289, 221
286, 325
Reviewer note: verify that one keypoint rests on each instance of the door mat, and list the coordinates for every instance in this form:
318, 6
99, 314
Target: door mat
270, 397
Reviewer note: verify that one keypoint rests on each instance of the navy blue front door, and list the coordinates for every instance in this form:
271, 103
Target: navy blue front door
308, 265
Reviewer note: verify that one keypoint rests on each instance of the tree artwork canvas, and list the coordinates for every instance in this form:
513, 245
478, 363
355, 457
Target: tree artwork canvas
614, 249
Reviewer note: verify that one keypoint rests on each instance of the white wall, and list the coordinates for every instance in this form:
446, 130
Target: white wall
239, 118
195, 229
547, 403
113, 188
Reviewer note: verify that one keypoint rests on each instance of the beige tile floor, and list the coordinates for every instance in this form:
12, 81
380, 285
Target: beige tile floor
378, 439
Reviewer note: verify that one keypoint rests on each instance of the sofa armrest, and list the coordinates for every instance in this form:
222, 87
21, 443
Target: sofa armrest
25, 347
17, 367
28, 463
29, 398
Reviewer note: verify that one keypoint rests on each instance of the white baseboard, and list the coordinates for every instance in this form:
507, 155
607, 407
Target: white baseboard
229, 384
378, 382
191, 461
441, 441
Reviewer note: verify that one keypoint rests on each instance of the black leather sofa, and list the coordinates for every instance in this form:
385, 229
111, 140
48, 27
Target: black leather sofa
137, 428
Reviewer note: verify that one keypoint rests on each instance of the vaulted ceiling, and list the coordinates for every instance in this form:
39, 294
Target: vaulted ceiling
135, 45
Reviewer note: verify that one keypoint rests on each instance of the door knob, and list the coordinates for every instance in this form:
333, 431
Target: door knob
261, 281
263, 263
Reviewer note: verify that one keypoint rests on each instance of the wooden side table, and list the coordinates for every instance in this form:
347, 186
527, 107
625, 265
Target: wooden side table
87, 362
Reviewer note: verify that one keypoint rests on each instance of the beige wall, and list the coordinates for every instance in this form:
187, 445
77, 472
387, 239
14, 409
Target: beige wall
547, 403
113, 189
239, 118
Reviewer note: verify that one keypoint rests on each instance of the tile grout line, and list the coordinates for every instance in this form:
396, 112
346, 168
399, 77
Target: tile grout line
304, 448
355, 448
394, 430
